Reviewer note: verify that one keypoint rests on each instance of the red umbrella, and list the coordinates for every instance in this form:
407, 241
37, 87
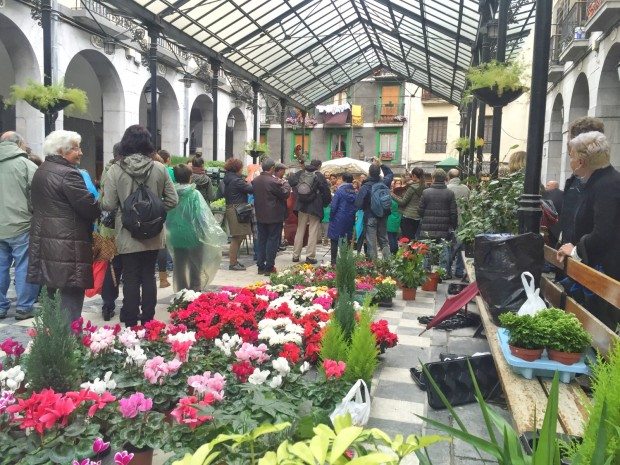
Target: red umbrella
453, 304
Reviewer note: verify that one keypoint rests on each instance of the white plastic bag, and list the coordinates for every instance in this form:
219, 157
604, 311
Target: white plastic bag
534, 303
354, 404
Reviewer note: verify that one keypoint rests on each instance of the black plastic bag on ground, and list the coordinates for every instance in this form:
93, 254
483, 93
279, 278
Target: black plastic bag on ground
499, 260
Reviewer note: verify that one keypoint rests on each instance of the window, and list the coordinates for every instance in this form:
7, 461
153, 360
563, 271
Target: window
388, 145
339, 145
488, 134
436, 135
340, 98
299, 139
389, 107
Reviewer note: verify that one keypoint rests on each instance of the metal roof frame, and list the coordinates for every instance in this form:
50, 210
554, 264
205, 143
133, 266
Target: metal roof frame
305, 51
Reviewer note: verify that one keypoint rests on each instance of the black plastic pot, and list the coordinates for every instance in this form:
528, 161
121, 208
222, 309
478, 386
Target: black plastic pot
491, 97
60, 104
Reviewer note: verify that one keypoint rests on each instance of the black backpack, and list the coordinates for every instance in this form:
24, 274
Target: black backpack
143, 213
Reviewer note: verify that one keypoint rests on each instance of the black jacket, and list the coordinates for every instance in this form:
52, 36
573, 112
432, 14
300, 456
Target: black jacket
320, 201
61, 251
597, 221
438, 212
270, 196
236, 189
204, 185
572, 198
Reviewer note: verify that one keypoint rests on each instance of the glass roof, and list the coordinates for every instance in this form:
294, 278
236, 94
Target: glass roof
308, 50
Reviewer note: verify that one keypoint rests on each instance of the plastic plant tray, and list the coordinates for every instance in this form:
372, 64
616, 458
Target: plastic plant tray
543, 366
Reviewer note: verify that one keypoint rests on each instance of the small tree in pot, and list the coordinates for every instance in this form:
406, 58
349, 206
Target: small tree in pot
527, 337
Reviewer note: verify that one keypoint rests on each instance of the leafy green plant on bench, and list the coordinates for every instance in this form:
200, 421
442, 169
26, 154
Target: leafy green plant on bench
527, 335
564, 335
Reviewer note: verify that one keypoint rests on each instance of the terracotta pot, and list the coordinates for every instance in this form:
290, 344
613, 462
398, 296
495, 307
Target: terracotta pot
409, 293
529, 355
566, 358
432, 280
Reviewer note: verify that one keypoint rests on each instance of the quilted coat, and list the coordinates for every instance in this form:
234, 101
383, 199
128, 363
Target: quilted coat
342, 212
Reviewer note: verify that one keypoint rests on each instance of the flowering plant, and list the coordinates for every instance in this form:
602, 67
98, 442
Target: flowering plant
386, 288
436, 248
409, 263
385, 338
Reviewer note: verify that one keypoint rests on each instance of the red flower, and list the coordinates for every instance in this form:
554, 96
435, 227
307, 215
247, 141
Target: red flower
186, 414
242, 370
248, 335
334, 369
403, 240
291, 352
154, 329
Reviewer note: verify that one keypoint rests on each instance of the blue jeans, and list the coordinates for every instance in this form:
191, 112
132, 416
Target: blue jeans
267, 245
16, 248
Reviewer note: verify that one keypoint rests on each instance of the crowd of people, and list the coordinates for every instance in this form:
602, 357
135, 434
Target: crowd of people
151, 213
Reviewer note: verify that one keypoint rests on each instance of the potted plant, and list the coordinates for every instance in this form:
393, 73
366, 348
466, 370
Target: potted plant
257, 150
409, 266
497, 84
479, 142
527, 336
566, 337
49, 99
433, 260
386, 291
462, 143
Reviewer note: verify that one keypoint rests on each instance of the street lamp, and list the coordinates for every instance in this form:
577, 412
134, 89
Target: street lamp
109, 45
147, 94
187, 80
230, 122
358, 139
493, 29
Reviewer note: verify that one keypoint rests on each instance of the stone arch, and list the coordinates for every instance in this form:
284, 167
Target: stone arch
608, 101
201, 125
555, 147
236, 136
580, 99
104, 122
167, 115
19, 64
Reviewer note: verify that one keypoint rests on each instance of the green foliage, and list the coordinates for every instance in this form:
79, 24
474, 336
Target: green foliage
491, 208
44, 97
525, 331
334, 344
604, 411
52, 361
363, 354
345, 269
258, 147
409, 264
564, 332
462, 143
344, 314
503, 441
504, 76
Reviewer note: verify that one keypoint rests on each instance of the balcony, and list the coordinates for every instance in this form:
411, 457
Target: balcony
387, 156
338, 154
602, 14
83, 11
556, 68
428, 98
435, 147
573, 39
390, 113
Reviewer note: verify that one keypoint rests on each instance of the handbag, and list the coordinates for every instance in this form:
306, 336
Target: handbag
108, 219
356, 403
244, 212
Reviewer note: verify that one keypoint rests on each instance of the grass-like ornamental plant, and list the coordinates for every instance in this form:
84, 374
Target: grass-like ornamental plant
45, 98
334, 345
363, 353
502, 76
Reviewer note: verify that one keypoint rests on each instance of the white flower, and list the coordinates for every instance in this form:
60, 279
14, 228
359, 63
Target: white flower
275, 382
135, 356
128, 337
100, 386
182, 337
281, 365
12, 378
258, 377
188, 295
228, 344
304, 367
101, 339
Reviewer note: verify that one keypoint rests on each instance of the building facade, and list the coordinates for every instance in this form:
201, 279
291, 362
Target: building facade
584, 78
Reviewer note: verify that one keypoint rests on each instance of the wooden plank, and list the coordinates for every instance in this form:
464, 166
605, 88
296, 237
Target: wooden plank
602, 336
573, 406
551, 292
551, 257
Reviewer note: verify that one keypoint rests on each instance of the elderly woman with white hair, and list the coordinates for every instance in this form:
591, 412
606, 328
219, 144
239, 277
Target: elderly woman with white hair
61, 253
597, 220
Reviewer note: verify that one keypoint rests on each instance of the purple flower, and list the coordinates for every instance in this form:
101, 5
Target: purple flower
132, 405
99, 445
123, 458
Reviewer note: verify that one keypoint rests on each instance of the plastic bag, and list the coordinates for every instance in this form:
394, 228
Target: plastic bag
534, 303
499, 260
356, 403
194, 239
100, 267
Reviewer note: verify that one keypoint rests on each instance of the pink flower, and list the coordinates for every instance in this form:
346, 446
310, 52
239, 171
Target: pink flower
123, 458
12, 347
334, 369
186, 414
249, 352
181, 349
208, 384
99, 445
134, 404
156, 368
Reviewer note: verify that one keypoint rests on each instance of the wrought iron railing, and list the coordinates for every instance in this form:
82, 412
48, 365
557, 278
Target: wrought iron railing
555, 49
435, 147
571, 26
389, 112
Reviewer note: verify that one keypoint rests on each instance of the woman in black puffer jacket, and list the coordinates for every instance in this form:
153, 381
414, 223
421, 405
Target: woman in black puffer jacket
61, 252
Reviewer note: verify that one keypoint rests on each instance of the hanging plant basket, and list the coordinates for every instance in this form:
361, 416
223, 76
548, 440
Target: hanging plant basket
49, 99
491, 96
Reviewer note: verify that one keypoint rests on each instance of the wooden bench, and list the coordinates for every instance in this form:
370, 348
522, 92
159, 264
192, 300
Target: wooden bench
527, 399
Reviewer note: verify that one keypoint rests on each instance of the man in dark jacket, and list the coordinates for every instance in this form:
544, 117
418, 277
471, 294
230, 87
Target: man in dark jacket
270, 194
61, 251
309, 211
375, 226
439, 213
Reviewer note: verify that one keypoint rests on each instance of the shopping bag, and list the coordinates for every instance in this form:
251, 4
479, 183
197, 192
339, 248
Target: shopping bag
534, 303
100, 267
356, 403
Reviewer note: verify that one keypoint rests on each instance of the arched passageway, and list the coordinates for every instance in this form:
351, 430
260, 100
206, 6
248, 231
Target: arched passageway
236, 134
201, 126
19, 64
104, 122
167, 115
608, 102
555, 147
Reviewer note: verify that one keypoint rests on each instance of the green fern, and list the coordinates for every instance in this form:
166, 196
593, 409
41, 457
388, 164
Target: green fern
43, 97
334, 345
363, 353
52, 361
345, 269
344, 314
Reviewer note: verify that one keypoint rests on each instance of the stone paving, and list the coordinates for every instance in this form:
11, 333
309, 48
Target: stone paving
396, 400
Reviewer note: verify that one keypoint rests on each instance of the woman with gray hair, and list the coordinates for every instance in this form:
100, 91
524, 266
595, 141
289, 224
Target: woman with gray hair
597, 220
61, 252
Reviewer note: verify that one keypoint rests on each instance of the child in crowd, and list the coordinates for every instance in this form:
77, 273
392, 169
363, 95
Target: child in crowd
193, 236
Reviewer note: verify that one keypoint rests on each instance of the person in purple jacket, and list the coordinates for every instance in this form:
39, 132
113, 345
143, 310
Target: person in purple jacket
342, 214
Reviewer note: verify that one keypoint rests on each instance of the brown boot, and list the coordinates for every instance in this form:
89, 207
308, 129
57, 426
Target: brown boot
163, 279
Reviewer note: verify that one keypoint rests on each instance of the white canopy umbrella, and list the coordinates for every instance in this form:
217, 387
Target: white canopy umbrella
345, 165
